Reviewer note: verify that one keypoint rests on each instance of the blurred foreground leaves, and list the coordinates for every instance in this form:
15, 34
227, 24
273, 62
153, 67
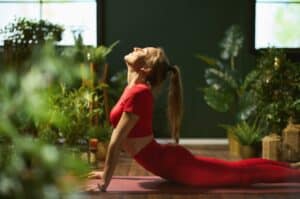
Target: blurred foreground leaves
30, 167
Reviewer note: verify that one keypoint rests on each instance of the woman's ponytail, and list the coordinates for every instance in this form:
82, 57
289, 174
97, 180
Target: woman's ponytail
175, 102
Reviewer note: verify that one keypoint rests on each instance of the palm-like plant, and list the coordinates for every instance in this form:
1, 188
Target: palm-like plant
227, 89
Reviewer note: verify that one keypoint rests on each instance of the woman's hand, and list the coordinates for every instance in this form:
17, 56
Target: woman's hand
95, 175
101, 185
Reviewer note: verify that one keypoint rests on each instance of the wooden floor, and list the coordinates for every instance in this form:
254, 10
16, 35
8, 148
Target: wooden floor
128, 167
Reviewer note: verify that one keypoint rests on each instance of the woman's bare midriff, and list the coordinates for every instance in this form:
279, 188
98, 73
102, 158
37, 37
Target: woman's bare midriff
133, 145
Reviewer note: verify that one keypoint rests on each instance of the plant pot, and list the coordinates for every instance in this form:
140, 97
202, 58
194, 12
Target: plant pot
101, 150
247, 151
233, 144
291, 142
271, 147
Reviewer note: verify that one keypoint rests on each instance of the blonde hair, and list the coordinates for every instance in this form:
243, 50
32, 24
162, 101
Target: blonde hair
161, 69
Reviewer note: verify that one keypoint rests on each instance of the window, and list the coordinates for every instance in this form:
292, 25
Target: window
276, 24
73, 15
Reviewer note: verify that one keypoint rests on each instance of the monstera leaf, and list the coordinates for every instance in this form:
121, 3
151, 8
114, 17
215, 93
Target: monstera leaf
214, 75
219, 100
247, 106
249, 79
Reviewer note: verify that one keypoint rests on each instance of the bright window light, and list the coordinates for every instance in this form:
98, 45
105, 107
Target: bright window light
277, 24
73, 15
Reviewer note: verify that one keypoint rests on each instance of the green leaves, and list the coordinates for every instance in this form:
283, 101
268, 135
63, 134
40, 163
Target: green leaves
210, 61
276, 89
247, 134
225, 86
101, 52
24, 32
250, 78
225, 79
232, 42
28, 165
218, 99
96, 55
102, 133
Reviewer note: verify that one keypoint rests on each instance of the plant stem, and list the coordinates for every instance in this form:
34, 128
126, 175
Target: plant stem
232, 64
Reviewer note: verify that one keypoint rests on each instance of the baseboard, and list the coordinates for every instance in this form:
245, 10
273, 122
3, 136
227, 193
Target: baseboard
197, 141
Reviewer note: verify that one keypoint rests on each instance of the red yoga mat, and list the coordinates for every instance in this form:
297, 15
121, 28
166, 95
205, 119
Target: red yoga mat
153, 184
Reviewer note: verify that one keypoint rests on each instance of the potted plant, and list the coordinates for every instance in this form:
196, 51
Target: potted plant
79, 108
72, 108
277, 93
227, 89
249, 136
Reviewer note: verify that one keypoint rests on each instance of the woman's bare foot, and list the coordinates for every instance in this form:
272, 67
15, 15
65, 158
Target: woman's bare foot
295, 165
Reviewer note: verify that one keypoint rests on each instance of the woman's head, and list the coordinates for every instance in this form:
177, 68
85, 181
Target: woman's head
154, 65
152, 62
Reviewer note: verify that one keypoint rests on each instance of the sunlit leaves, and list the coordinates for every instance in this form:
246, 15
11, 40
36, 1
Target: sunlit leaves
218, 99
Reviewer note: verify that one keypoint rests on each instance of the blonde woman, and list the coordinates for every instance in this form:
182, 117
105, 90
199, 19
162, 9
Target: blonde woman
131, 117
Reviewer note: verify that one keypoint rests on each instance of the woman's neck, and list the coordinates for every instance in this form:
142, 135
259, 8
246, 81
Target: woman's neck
135, 78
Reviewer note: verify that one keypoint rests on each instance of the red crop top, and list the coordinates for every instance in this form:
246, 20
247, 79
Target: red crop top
137, 99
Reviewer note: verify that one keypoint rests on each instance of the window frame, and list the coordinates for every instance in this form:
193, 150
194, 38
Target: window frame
292, 53
99, 22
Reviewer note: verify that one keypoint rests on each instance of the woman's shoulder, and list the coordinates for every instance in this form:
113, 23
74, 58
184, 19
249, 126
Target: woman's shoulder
138, 89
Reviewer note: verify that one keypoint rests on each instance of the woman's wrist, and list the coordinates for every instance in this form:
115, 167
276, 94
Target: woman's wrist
102, 187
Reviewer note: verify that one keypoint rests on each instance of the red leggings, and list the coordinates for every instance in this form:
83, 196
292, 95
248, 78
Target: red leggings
175, 163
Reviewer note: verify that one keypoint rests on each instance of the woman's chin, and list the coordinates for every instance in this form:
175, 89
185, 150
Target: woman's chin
126, 58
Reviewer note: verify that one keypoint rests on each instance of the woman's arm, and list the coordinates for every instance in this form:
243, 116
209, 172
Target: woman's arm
125, 124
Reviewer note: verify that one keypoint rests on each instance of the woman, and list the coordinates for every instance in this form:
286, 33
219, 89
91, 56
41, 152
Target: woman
131, 117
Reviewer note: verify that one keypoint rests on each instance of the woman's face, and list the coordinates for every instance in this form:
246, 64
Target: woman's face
138, 57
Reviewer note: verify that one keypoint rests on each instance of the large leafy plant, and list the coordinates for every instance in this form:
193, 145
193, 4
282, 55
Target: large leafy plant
226, 87
101, 132
73, 109
277, 90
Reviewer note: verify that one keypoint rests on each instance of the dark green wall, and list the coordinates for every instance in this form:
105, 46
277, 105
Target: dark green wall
182, 28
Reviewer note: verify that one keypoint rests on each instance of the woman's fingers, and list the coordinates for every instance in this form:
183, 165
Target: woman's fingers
92, 188
92, 176
95, 175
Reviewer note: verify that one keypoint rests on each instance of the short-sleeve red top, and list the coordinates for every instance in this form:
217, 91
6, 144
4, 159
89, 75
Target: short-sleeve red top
137, 99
